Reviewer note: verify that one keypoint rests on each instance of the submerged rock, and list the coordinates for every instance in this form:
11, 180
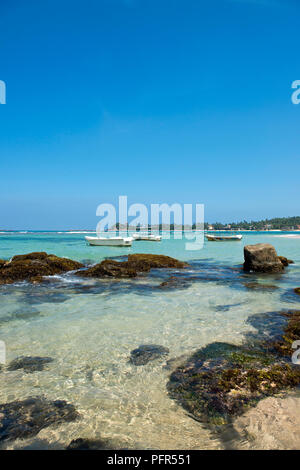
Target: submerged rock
135, 264
297, 290
89, 444
174, 282
22, 419
221, 381
262, 258
29, 363
33, 266
260, 286
146, 353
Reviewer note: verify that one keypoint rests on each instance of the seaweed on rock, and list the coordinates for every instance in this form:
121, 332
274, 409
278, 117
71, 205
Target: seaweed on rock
222, 380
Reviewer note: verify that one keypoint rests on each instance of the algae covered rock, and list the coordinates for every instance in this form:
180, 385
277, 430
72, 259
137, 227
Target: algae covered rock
110, 268
297, 290
137, 263
262, 258
89, 444
155, 261
22, 419
146, 353
29, 363
222, 380
33, 266
291, 333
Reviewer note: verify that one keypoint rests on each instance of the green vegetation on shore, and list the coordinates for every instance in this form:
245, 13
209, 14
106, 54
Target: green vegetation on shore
278, 223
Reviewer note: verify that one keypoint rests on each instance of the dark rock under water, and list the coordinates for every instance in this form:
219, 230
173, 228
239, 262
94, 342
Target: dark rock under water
146, 353
22, 419
29, 363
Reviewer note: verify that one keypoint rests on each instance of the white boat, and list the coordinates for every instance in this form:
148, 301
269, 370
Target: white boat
112, 241
223, 238
147, 237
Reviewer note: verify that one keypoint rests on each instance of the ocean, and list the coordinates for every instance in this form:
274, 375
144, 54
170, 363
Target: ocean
89, 328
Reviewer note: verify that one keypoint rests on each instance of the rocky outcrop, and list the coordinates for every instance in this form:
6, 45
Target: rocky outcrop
22, 419
155, 261
222, 381
137, 263
262, 258
29, 363
297, 290
33, 266
146, 353
285, 261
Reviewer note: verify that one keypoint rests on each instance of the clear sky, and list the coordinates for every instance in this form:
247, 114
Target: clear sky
160, 100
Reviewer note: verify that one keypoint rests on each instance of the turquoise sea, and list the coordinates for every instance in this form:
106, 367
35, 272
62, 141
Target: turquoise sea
89, 327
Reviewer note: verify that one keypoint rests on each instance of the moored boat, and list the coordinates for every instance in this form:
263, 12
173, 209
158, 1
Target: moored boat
109, 241
223, 238
146, 237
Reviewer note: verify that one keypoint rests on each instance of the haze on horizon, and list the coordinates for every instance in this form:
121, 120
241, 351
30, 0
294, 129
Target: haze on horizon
163, 101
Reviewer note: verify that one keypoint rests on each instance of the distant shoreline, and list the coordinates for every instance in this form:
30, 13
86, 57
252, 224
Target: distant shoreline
78, 232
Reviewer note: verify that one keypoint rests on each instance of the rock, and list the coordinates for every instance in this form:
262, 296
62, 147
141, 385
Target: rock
89, 444
174, 282
259, 286
135, 264
110, 268
155, 261
146, 353
33, 266
222, 380
285, 261
262, 258
297, 290
29, 363
291, 333
22, 419
2, 262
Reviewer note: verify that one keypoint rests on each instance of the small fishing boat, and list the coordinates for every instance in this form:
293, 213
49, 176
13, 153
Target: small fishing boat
223, 238
147, 237
112, 241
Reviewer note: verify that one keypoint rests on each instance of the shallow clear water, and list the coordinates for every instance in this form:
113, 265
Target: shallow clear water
89, 328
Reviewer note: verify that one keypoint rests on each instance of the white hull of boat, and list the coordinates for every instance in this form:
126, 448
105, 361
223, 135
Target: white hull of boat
147, 237
223, 238
112, 241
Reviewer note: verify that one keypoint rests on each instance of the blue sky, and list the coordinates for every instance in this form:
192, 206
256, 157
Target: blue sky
162, 101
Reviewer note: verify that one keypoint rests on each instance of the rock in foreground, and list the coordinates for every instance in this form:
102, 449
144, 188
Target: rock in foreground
146, 353
222, 381
33, 266
22, 419
262, 258
135, 264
